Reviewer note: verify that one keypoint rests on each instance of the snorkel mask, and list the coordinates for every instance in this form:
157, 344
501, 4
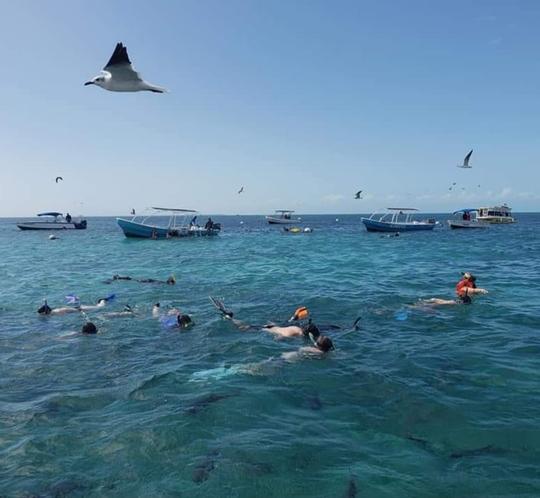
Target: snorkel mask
300, 314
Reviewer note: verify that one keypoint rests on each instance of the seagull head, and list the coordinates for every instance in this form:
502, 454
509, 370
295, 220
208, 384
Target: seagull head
99, 80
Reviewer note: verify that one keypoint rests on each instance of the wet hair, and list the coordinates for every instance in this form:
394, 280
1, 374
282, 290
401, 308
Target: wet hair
44, 310
311, 329
184, 321
171, 280
325, 344
158, 305
89, 328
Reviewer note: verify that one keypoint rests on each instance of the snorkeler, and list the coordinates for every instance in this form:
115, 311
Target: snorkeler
89, 328
101, 303
171, 280
127, 311
464, 288
46, 310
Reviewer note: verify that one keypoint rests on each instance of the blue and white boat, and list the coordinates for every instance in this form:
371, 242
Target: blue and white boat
181, 223
396, 220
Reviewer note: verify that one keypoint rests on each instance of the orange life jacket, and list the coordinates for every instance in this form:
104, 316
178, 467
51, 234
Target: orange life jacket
463, 285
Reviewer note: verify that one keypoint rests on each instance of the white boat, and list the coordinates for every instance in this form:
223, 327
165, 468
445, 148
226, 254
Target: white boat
397, 220
282, 217
54, 221
496, 214
181, 223
466, 218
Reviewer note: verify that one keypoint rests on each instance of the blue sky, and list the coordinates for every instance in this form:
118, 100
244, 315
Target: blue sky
300, 102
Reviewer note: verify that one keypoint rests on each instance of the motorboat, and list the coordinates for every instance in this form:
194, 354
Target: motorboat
54, 221
466, 218
397, 220
496, 214
282, 217
181, 223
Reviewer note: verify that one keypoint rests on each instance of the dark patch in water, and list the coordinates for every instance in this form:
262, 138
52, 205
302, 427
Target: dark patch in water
202, 471
200, 404
484, 450
351, 489
314, 403
423, 443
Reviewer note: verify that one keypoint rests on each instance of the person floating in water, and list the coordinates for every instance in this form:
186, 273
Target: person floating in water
47, 310
173, 319
170, 280
464, 289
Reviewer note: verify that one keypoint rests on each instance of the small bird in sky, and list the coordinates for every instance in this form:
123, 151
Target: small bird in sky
466, 161
58, 178
357, 195
241, 190
133, 211
119, 76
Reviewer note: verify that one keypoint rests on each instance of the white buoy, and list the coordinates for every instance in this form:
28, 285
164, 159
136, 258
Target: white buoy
308, 230
337, 219
241, 223
52, 237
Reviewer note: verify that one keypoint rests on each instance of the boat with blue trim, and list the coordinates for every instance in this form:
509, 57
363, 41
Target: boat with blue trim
181, 223
397, 220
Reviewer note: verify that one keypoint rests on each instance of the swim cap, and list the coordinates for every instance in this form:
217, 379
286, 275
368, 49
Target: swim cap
171, 280
89, 328
300, 314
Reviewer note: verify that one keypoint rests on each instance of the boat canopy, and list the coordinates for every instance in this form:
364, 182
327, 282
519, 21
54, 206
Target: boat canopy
284, 211
176, 210
50, 214
402, 209
467, 210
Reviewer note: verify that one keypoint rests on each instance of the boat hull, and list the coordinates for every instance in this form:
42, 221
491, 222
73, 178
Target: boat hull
136, 230
387, 226
466, 224
50, 225
503, 220
280, 221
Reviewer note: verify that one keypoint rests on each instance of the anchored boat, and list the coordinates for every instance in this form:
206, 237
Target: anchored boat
282, 217
496, 214
181, 223
54, 221
397, 220
466, 218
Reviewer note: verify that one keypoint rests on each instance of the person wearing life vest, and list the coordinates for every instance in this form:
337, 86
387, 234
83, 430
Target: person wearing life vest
467, 286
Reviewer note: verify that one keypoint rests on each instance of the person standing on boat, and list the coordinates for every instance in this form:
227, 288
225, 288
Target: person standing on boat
68, 218
209, 224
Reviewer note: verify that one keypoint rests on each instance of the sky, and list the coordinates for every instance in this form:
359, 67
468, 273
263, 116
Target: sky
301, 102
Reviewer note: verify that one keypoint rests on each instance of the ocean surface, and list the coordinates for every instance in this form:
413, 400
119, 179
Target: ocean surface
416, 403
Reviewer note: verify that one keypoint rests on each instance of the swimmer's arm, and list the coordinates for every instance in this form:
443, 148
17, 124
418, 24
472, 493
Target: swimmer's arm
477, 290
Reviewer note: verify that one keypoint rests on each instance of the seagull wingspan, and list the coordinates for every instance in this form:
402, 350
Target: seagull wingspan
120, 66
467, 157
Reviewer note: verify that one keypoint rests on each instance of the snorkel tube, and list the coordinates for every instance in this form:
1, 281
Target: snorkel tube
300, 314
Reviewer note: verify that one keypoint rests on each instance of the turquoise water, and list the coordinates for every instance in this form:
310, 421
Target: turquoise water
444, 403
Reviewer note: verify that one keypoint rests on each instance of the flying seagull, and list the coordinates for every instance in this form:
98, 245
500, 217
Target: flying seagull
357, 195
241, 190
133, 211
59, 178
119, 76
466, 161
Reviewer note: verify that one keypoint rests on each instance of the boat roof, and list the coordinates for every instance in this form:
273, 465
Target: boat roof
402, 209
176, 210
284, 211
504, 206
466, 210
52, 213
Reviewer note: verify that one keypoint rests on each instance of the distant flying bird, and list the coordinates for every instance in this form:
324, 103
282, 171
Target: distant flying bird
357, 195
119, 76
466, 161
59, 178
133, 211
241, 190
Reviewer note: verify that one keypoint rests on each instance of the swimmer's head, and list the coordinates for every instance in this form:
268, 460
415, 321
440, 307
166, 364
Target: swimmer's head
89, 328
184, 321
324, 343
171, 280
311, 330
45, 309
101, 302
157, 305
469, 276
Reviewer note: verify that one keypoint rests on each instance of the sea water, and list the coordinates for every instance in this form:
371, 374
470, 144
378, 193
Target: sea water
416, 403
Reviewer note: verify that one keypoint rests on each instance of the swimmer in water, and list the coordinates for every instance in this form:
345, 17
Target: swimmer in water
89, 328
170, 280
321, 345
464, 289
101, 303
46, 310
127, 311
